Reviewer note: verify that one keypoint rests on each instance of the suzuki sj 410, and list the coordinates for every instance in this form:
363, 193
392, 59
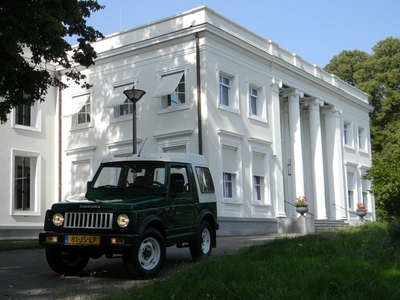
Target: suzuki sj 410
135, 208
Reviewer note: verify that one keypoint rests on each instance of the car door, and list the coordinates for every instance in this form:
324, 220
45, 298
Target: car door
181, 193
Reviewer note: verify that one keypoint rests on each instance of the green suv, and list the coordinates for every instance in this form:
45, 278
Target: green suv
135, 208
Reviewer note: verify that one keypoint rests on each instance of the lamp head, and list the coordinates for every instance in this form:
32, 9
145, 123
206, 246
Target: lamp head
134, 95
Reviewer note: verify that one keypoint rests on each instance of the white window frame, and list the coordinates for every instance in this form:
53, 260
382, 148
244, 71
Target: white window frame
125, 85
261, 102
166, 101
348, 134
35, 183
233, 92
352, 187
164, 107
35, 124
361, 139
350, 199
127, 114
85, 112
260, 148
234, 175
75, 116
230, 194
258, 189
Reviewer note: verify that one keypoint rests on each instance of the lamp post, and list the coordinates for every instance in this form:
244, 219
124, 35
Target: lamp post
134, 95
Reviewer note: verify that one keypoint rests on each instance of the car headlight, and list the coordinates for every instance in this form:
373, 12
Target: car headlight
58, 219
123, 220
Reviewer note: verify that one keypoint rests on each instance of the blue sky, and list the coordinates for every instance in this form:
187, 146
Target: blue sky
314, 29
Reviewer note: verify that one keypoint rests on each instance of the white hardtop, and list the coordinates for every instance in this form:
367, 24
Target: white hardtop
194, 159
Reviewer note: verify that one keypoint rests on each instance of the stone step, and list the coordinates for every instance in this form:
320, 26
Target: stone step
329, 225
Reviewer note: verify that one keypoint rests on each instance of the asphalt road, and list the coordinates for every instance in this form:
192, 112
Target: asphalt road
24, 274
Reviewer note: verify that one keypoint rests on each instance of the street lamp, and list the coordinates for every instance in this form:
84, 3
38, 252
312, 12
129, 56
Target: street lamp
134, 96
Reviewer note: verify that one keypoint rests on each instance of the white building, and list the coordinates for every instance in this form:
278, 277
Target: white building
271, 125
28, 163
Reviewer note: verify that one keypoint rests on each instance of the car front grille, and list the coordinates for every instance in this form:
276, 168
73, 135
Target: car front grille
88, 220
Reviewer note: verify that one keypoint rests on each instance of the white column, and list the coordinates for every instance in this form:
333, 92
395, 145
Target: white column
277, 148
335, 167
295, 136
317, 164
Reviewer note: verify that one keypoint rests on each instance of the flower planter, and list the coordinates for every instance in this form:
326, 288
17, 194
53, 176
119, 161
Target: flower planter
302, 210
361, 214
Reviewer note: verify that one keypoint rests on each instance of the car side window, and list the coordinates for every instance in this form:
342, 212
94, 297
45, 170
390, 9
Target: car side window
179, 177
205, 180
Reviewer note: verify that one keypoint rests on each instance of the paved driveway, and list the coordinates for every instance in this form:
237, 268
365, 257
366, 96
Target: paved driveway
24, 274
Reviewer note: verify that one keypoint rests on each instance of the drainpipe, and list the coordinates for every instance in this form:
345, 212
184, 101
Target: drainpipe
59, 140
199, 116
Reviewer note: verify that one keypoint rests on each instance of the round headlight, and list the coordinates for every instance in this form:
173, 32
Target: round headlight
58, 219
123, 220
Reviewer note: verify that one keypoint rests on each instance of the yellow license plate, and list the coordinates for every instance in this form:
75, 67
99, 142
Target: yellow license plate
82, 240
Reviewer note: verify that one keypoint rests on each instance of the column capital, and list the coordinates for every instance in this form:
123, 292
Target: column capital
293, 94
313, 102
332, 110
276, 83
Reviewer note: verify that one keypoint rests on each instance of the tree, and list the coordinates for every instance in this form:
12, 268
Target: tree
38, 29
378, 75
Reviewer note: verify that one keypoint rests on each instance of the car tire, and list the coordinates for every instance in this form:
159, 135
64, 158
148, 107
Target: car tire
201, 246
146, 261
66, 261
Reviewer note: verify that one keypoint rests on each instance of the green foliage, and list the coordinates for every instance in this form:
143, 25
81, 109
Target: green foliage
394, 230
378, 75
354, 263
348, 66
39, 28
18, 244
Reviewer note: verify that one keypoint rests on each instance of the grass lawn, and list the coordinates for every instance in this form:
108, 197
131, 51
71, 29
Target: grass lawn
353, 263
18, 244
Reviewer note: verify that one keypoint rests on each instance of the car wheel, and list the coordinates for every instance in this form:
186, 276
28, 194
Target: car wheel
66, 261
201, 246
146, 261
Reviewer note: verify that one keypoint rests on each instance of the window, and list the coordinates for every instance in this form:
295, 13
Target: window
351, 187
361, 139
126, 108
179, 177
228, 185
350, 198
205, 180
230, 167
257, 182
228, 90
23, 115
27, 117
79, 109
122, 106
84, 113
346, 134
22, 183
178, 95
365, 197
132, 175
258, 170
26, 182
224, 90
172, 90
253, 101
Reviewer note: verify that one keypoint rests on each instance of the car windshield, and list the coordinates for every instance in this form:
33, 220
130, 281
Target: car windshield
131, 175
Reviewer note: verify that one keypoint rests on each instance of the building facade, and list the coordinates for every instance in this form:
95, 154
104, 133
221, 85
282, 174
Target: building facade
271, 125
29, 165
